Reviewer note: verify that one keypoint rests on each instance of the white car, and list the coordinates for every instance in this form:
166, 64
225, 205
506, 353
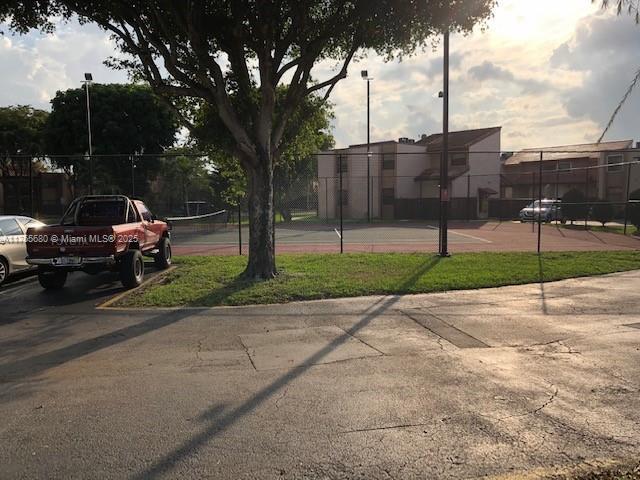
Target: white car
13, 249
548, 211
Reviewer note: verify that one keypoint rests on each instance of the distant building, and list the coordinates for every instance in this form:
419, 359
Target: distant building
404, 177
564, 168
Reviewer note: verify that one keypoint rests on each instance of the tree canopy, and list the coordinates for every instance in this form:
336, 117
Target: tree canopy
125, 119
21, 133
209, 50
294, 169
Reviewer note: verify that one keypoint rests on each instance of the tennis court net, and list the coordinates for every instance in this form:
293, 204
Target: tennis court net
198, 224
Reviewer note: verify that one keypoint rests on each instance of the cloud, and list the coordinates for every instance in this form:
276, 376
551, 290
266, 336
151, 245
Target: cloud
488, 71
549, 72
604, 51
35, 66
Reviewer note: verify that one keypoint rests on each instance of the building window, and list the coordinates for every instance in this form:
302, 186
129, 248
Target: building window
564, 165
388, 161
612, 160
388, 196
344, 198
458, 159
342, 164
549, 166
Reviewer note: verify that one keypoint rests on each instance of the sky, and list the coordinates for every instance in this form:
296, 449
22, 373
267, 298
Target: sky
550, 72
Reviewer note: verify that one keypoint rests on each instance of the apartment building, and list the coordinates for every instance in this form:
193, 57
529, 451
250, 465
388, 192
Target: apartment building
400, 179
569, 167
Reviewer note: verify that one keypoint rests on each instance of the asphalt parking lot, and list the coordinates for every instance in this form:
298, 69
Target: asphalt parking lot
458, 385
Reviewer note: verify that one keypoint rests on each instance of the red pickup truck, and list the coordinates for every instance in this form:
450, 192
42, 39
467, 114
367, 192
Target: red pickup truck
99, 232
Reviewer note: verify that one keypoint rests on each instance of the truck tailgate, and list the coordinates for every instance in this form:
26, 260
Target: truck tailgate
57, 240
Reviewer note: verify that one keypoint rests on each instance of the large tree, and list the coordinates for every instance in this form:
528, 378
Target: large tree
21, 138
125, 120
189, 49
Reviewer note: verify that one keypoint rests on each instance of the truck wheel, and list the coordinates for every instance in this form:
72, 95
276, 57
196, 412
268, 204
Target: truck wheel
52, 279
132, 269
163, 257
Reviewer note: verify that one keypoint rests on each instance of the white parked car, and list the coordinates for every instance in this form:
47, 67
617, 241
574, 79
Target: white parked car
13, 249
547, 211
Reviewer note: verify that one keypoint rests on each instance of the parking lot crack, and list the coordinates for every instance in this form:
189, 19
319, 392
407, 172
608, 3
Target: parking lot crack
391, 427
362, 341
246, 350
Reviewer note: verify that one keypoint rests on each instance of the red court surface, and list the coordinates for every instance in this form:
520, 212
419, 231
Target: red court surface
412, 237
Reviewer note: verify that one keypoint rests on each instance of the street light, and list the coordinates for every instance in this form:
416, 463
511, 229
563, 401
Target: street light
365, 76
88, 78
444, 160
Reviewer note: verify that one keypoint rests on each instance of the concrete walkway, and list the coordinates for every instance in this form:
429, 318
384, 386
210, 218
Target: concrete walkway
456, 385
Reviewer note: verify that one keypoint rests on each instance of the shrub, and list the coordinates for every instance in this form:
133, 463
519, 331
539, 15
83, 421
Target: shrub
574, 206
602, 212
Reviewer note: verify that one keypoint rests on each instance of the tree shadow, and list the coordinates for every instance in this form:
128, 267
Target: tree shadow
218, 423
23, 369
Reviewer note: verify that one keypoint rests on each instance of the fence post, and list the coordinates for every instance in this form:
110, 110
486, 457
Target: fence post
326, 200
533, 201
239, 225
31, 205
469, 198
341, 200
586, 198
626, 205
540, 202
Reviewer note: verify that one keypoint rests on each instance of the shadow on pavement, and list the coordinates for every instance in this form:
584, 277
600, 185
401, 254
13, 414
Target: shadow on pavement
219, 421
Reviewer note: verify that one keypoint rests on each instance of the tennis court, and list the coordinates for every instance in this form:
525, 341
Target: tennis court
214, 236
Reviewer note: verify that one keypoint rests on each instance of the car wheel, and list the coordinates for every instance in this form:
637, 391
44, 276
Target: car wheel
4, 270
52, 279
132, 269
162, 259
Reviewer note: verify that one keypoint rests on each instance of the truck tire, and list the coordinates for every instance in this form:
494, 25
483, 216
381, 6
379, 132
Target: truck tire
132, 269
163, 257
52, 279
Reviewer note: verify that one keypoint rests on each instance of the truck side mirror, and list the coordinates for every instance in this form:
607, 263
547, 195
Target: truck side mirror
3, 238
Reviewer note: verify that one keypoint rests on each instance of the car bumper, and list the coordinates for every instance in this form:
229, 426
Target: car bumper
66, 262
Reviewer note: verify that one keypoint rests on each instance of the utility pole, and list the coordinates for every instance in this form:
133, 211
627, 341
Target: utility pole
444, 160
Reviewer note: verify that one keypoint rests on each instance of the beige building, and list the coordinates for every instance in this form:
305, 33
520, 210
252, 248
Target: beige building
403, 179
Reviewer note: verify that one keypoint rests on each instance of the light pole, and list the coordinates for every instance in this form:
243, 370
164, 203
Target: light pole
365, 76
444, 160
88, 78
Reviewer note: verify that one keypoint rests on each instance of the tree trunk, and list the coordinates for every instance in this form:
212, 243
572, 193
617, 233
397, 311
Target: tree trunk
262, 260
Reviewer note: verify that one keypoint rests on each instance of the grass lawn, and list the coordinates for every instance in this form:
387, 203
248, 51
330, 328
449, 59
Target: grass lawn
210, 281
631, 229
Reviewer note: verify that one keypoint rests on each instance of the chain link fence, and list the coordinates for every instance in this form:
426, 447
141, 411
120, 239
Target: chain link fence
351, 202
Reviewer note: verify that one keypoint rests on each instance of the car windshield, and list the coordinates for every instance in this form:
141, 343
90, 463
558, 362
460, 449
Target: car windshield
545, 204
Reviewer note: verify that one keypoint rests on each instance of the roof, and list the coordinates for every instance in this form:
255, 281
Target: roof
458, 140
567, 152
434, 174
357, 145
